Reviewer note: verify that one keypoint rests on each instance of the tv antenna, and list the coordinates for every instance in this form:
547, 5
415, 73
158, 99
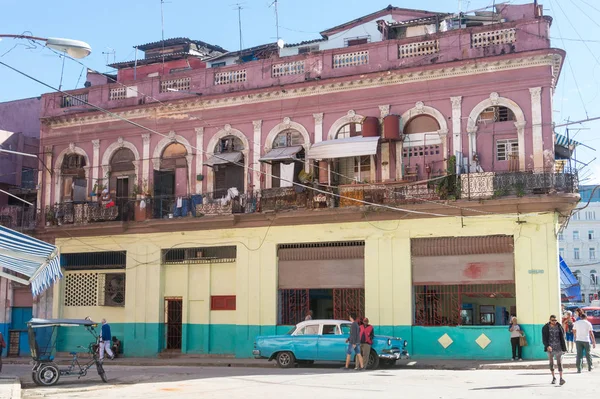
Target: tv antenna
108, 54
162, 34
239, 8
274, 3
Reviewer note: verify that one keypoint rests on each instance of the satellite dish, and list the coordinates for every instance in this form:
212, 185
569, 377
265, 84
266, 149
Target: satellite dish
280, 43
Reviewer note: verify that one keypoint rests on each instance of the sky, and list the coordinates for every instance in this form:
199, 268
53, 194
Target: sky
112, 28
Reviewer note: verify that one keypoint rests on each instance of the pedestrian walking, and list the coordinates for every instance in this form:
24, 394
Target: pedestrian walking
553, 337
105, 341
567, 323
2, 346
366, 340
515, 339
354, 344
584, 335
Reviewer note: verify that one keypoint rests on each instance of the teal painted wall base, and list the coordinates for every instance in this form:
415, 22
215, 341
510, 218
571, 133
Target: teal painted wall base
4, 330
147, 340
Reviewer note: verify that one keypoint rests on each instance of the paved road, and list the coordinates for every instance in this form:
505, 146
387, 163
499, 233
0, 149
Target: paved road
232, 383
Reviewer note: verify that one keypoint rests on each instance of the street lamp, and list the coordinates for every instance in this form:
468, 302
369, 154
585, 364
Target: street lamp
74, 48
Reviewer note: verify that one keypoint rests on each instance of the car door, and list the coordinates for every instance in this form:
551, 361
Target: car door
332, 343
305, 342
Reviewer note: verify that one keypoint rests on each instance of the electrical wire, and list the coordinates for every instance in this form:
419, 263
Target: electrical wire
219, 156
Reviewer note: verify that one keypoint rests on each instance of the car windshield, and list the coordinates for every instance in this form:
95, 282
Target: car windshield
593, 313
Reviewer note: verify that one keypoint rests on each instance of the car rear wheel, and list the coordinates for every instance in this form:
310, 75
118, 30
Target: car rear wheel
285, 360
373, 362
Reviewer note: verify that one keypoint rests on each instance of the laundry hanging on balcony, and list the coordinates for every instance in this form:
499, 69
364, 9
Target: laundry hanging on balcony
343, 148
30, 257
569, 285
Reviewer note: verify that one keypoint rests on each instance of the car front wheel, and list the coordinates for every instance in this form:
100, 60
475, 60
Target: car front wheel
373, 362
285, 360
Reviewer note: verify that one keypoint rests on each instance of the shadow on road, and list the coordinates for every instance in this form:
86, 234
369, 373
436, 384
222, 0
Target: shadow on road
509, 387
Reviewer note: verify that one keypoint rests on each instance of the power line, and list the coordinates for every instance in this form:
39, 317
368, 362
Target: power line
220, 157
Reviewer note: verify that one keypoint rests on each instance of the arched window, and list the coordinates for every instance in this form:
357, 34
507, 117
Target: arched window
174, 156
349, 130
228, 165
351, 169
422, 124
74, 183
577, 275
422, 148
122, 176
288, 138
593, 277
171, 181
496, 114
229, 144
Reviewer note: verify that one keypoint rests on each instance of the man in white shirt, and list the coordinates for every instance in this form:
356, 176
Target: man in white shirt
584, 334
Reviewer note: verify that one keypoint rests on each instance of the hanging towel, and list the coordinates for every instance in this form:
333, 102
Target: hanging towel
286, 174
179, 202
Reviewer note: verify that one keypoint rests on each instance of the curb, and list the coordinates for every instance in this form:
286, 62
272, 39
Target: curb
15, 387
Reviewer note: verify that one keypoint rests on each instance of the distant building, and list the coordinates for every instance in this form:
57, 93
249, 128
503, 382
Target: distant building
579, 243
402, 166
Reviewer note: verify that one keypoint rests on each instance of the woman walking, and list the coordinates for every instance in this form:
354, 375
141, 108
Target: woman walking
515, 339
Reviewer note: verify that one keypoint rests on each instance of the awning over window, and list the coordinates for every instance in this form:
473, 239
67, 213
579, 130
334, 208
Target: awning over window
224, 158
282, 154
344, 148
30, 257
563, 141
571, 290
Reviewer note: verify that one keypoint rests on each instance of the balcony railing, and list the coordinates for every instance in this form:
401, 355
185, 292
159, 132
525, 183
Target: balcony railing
18, 217
418, 49
473, 186
350, 59
488, 38
288, 68
74, 100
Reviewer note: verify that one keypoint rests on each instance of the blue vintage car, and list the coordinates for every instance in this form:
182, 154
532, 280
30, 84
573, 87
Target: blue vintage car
324, 340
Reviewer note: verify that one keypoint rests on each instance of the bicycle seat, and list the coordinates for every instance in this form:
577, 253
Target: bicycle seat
73, 353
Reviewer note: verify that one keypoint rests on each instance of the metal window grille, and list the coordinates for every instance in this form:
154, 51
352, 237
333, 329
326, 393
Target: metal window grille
350, 59
418, 49
501, 36
111, 290
94, 260
441, 305
74, 100
288, 68
348, 300
81, 289
175, 85
225, 78
293, 306
117, 93
178, 256
506, 148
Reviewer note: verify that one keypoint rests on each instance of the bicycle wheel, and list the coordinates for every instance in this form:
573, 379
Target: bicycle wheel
101, 372
48, 374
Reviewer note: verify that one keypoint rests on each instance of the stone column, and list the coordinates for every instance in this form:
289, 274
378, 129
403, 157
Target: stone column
521, 138
456, 129
536, 129
146, 158
444, 137
318, 127
199, 156
386, 158
95, 161
472, 148
256, 154
48, 176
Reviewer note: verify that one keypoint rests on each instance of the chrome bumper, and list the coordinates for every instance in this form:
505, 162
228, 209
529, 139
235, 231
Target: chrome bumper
256, 354
395, 355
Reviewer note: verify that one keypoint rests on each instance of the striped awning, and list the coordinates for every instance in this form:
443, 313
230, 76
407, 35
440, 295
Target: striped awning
563, 141
30, 257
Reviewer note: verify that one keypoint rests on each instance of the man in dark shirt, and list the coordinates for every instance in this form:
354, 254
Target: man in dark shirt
354, 344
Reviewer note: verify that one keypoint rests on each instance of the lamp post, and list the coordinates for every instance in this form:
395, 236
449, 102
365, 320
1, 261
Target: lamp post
74, 48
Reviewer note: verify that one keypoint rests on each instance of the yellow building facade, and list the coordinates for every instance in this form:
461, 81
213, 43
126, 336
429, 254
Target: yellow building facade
157, 290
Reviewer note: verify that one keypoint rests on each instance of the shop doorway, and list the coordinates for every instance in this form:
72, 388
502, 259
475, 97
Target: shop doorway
173, 323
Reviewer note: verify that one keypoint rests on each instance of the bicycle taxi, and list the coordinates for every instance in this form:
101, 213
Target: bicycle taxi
42, 341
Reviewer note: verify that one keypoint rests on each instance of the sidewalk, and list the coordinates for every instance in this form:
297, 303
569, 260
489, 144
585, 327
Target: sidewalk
224, 361
10, 387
